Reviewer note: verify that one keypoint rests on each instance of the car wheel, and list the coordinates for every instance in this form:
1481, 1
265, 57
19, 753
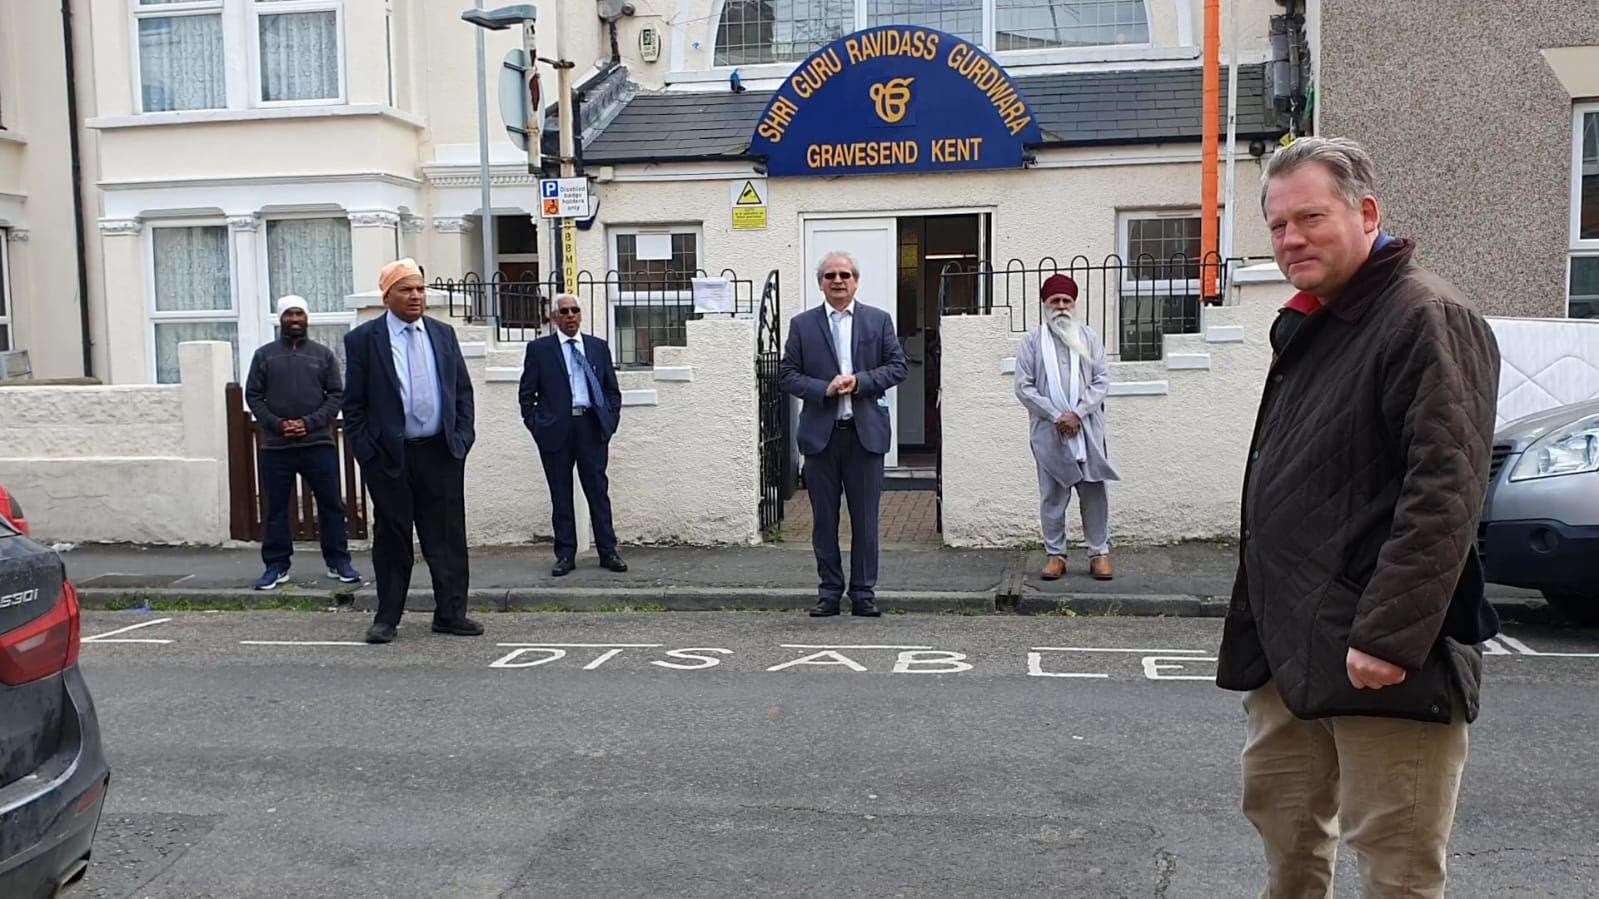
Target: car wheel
1579, 609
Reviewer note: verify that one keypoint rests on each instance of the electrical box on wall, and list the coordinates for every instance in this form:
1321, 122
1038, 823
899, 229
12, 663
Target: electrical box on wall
649, 43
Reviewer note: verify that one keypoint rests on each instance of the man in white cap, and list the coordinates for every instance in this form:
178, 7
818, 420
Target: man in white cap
294, 391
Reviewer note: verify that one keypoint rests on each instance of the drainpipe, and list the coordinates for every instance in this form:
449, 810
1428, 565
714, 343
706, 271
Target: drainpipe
1209, 112
77, 191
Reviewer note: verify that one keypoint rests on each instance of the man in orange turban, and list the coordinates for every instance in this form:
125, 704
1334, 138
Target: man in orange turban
408, 416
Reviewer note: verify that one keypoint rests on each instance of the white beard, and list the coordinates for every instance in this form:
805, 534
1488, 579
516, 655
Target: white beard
1068, 331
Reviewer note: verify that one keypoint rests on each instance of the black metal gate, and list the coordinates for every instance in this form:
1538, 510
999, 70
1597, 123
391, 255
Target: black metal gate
776, 482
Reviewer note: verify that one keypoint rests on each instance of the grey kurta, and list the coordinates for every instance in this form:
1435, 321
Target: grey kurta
1052, 450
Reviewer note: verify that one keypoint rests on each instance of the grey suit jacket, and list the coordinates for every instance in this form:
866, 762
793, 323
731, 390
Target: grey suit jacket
810, 363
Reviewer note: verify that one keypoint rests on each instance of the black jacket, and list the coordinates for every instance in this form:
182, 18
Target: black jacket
545, 394
1365, 479
374, 413
290, 380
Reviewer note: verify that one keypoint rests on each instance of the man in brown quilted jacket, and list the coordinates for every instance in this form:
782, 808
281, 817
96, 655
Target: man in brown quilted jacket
1358, 602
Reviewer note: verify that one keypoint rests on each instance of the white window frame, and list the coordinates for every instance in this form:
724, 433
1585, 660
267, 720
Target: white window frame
6, 299
138, 11
1039, 55
154, 317
267, 319
241, 47
647, 298
257, 9
1124, 221
1579, 248
657, 297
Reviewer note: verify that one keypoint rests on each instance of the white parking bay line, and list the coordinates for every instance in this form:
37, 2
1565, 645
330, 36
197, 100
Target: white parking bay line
103, 638
1151, 652
847, 646
586, 645
1526, 650
302, 643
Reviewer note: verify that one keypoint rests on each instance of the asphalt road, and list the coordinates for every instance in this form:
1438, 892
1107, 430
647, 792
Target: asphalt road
440, 766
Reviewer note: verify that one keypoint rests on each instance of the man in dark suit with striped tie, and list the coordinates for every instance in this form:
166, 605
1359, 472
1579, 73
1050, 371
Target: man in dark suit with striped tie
571, 404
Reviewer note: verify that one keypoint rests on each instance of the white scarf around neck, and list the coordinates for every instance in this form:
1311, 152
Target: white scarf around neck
1063, 396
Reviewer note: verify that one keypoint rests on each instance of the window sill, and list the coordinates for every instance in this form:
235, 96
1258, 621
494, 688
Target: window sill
1016, 62
11, 137
213, 116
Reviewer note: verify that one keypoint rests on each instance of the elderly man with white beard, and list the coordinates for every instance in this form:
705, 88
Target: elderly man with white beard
1062, 378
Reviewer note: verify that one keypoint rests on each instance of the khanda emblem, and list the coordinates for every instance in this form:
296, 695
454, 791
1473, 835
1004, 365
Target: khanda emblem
892, 99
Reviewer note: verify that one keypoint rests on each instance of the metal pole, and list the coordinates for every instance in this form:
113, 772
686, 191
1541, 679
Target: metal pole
563, 106
487, 202
1228, 248
1210, 109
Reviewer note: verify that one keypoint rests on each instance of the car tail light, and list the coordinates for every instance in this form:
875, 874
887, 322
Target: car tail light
12, 511
44, 646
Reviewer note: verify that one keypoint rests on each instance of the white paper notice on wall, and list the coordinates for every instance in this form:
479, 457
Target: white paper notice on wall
653, 245
712, 295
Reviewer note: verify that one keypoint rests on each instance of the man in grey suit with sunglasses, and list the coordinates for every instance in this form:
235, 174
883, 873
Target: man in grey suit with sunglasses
841, 359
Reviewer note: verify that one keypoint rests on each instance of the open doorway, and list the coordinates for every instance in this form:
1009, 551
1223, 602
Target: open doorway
926, 245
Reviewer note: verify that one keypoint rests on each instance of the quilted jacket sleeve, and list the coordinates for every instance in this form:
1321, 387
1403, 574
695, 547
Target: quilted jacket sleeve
1441, 369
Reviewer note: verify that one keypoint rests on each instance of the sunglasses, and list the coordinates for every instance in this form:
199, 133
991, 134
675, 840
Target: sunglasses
838, 276
569, 312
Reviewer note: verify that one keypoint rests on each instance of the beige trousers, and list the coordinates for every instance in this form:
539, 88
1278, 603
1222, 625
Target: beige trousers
1388, 784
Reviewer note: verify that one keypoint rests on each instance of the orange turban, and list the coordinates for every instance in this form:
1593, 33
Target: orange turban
395, 272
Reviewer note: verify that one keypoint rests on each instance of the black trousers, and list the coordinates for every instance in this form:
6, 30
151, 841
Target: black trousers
319, 466
430, 495
846, 467
587, 449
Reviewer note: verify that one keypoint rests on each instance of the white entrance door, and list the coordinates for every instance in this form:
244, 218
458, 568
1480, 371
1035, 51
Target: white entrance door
871, 242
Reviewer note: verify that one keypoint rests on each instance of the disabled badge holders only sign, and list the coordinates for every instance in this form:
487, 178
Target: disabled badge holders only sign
564, 198
895, 99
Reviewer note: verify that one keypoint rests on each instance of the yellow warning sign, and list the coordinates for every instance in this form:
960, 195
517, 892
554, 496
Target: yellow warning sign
748, 199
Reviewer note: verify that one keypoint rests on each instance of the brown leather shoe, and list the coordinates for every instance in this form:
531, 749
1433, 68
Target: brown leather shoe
1054, 569
1099, 567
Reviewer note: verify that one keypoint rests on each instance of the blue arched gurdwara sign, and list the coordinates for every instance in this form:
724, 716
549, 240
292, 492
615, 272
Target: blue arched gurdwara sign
895, 99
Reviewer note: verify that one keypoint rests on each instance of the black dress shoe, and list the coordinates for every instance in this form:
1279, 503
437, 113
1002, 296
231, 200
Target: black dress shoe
865, 608
614, 563
563, 567
380, 633
459, 627
824, 608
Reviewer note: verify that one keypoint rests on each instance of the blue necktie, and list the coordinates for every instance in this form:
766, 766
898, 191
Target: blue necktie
422, 404
596, 395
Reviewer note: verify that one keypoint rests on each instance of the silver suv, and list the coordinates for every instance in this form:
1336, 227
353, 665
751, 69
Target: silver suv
1540, 525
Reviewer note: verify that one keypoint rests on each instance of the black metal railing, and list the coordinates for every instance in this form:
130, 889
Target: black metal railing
777, 481
1132, 304
634, 312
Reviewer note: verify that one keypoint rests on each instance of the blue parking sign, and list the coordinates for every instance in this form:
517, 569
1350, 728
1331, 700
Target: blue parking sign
549, 188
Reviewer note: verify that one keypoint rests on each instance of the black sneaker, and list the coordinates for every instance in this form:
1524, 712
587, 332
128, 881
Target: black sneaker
458, 627
380, 632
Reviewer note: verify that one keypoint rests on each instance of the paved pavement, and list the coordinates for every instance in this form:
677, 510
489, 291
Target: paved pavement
730, 754
904, 517
1190, 579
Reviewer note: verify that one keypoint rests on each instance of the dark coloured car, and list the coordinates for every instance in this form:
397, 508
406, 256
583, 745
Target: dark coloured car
53, 773
1540, 525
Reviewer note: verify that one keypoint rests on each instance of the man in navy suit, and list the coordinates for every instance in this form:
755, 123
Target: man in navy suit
571, 403
841, 358
408, 416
